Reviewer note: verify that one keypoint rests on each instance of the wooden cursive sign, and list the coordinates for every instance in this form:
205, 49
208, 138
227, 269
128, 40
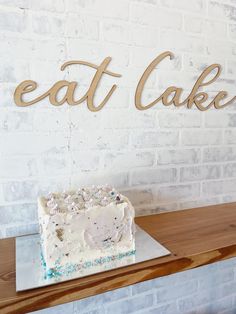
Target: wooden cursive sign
172, 95
52, 93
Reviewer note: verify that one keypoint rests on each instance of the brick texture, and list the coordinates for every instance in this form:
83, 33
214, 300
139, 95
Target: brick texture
163, 159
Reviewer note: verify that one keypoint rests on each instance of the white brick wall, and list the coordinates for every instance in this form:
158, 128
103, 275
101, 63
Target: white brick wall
165, 158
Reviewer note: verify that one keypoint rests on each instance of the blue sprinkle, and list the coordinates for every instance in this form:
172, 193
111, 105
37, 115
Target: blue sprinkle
69, 268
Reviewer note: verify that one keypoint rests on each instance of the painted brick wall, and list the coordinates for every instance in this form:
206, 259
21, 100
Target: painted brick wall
164, 158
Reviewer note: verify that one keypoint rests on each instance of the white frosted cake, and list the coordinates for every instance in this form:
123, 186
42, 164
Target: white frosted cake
85, 228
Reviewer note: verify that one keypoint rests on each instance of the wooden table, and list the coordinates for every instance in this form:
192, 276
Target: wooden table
195, 237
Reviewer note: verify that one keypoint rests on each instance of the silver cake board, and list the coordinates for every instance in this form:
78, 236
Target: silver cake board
31, 274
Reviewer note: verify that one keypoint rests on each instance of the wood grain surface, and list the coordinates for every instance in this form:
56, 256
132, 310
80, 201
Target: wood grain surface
195, 237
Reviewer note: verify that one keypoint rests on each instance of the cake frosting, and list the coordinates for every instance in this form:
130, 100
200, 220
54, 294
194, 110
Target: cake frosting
85, 228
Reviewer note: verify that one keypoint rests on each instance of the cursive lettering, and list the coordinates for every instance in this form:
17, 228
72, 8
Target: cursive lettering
173, 94
52, 93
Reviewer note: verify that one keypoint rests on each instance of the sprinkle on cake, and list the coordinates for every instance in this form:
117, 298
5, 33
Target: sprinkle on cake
81, 199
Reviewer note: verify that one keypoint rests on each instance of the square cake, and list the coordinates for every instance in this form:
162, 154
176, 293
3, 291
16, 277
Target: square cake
85, 228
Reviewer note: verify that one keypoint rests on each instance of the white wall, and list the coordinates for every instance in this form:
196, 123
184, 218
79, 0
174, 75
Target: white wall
165, 158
